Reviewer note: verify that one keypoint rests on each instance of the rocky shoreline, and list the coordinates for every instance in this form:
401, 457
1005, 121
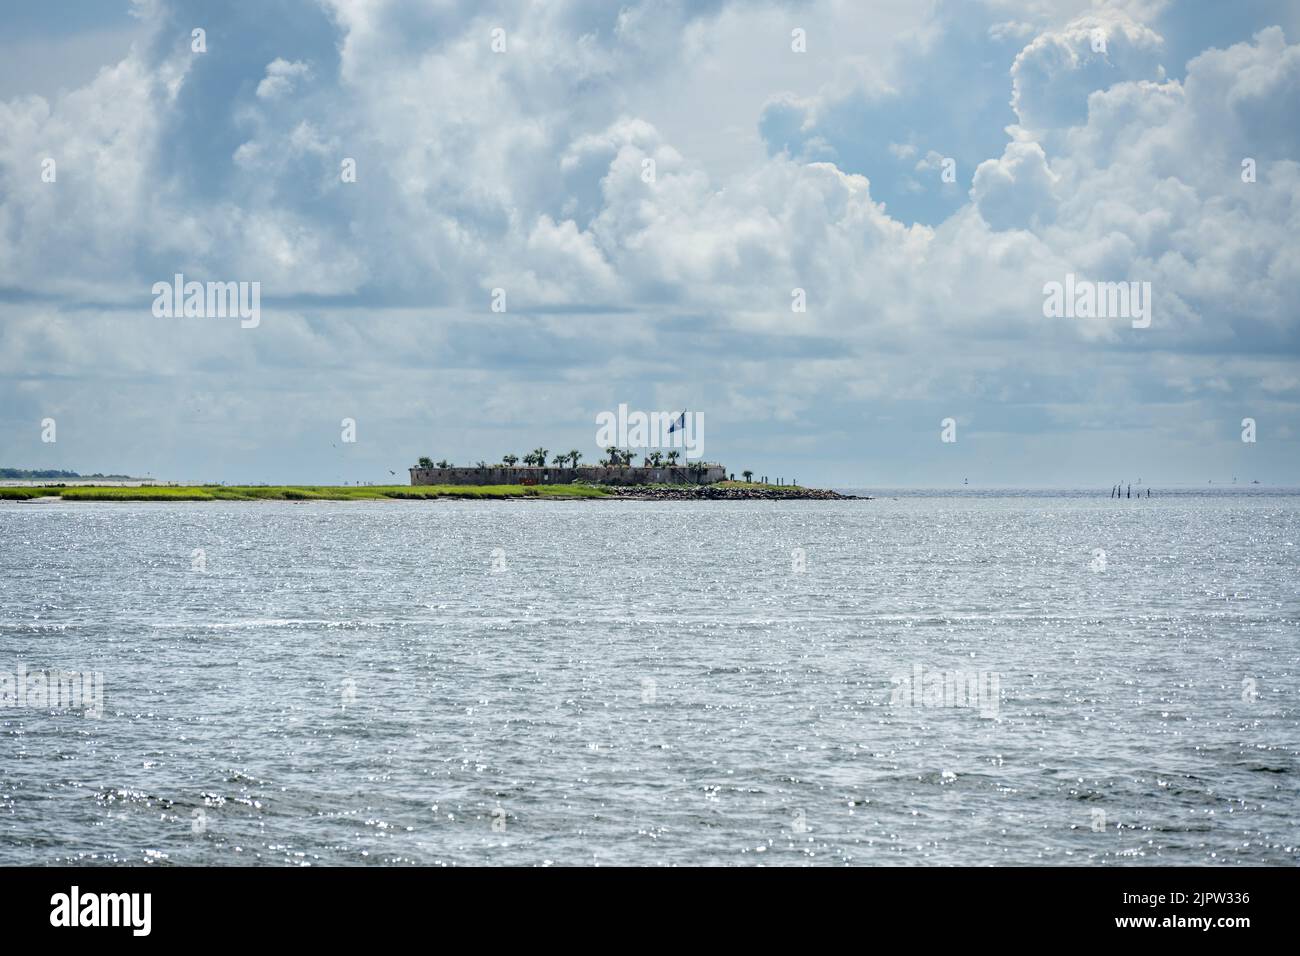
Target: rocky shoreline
716, 493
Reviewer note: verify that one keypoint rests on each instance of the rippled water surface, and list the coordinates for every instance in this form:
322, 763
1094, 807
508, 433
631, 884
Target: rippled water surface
655, 682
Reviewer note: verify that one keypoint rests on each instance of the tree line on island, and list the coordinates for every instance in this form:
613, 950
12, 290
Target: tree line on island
615, 457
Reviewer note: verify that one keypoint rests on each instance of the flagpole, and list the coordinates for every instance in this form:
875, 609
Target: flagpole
682, 422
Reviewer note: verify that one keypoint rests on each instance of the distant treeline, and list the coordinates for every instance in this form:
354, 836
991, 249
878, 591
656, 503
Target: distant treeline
45, 474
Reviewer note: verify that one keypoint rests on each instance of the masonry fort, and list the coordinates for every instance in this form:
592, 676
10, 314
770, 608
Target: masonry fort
618, 474
652, 471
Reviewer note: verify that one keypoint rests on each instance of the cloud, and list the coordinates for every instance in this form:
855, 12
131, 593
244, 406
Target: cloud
281, 75
67, 234
644, 249
1052, 77
1017, 190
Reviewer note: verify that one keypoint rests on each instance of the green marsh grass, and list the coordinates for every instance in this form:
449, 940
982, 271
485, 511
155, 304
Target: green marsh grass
22, 494
303, 492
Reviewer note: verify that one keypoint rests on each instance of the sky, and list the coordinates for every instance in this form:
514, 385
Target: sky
654, 188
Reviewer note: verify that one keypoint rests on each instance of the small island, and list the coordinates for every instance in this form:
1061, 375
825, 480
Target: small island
658, 478
722, 490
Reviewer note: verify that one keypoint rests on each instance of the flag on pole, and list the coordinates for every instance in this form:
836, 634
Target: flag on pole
679, 423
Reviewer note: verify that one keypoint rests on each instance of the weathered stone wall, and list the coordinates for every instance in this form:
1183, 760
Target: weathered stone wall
531, 474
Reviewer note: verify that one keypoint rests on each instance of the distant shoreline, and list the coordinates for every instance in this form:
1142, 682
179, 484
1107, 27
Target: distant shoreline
50, 476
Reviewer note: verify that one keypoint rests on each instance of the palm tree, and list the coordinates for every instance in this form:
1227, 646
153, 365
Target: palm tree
559, 460
748, 475
539, 456
424, 462
510, 460
575, 456
672, 457
627, 457
482, 465
444, 463
657, 459
612, 455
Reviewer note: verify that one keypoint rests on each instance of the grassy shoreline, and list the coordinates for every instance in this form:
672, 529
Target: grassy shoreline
297, 492
723, 489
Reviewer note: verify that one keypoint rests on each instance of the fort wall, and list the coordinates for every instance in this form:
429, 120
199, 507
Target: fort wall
597, 474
